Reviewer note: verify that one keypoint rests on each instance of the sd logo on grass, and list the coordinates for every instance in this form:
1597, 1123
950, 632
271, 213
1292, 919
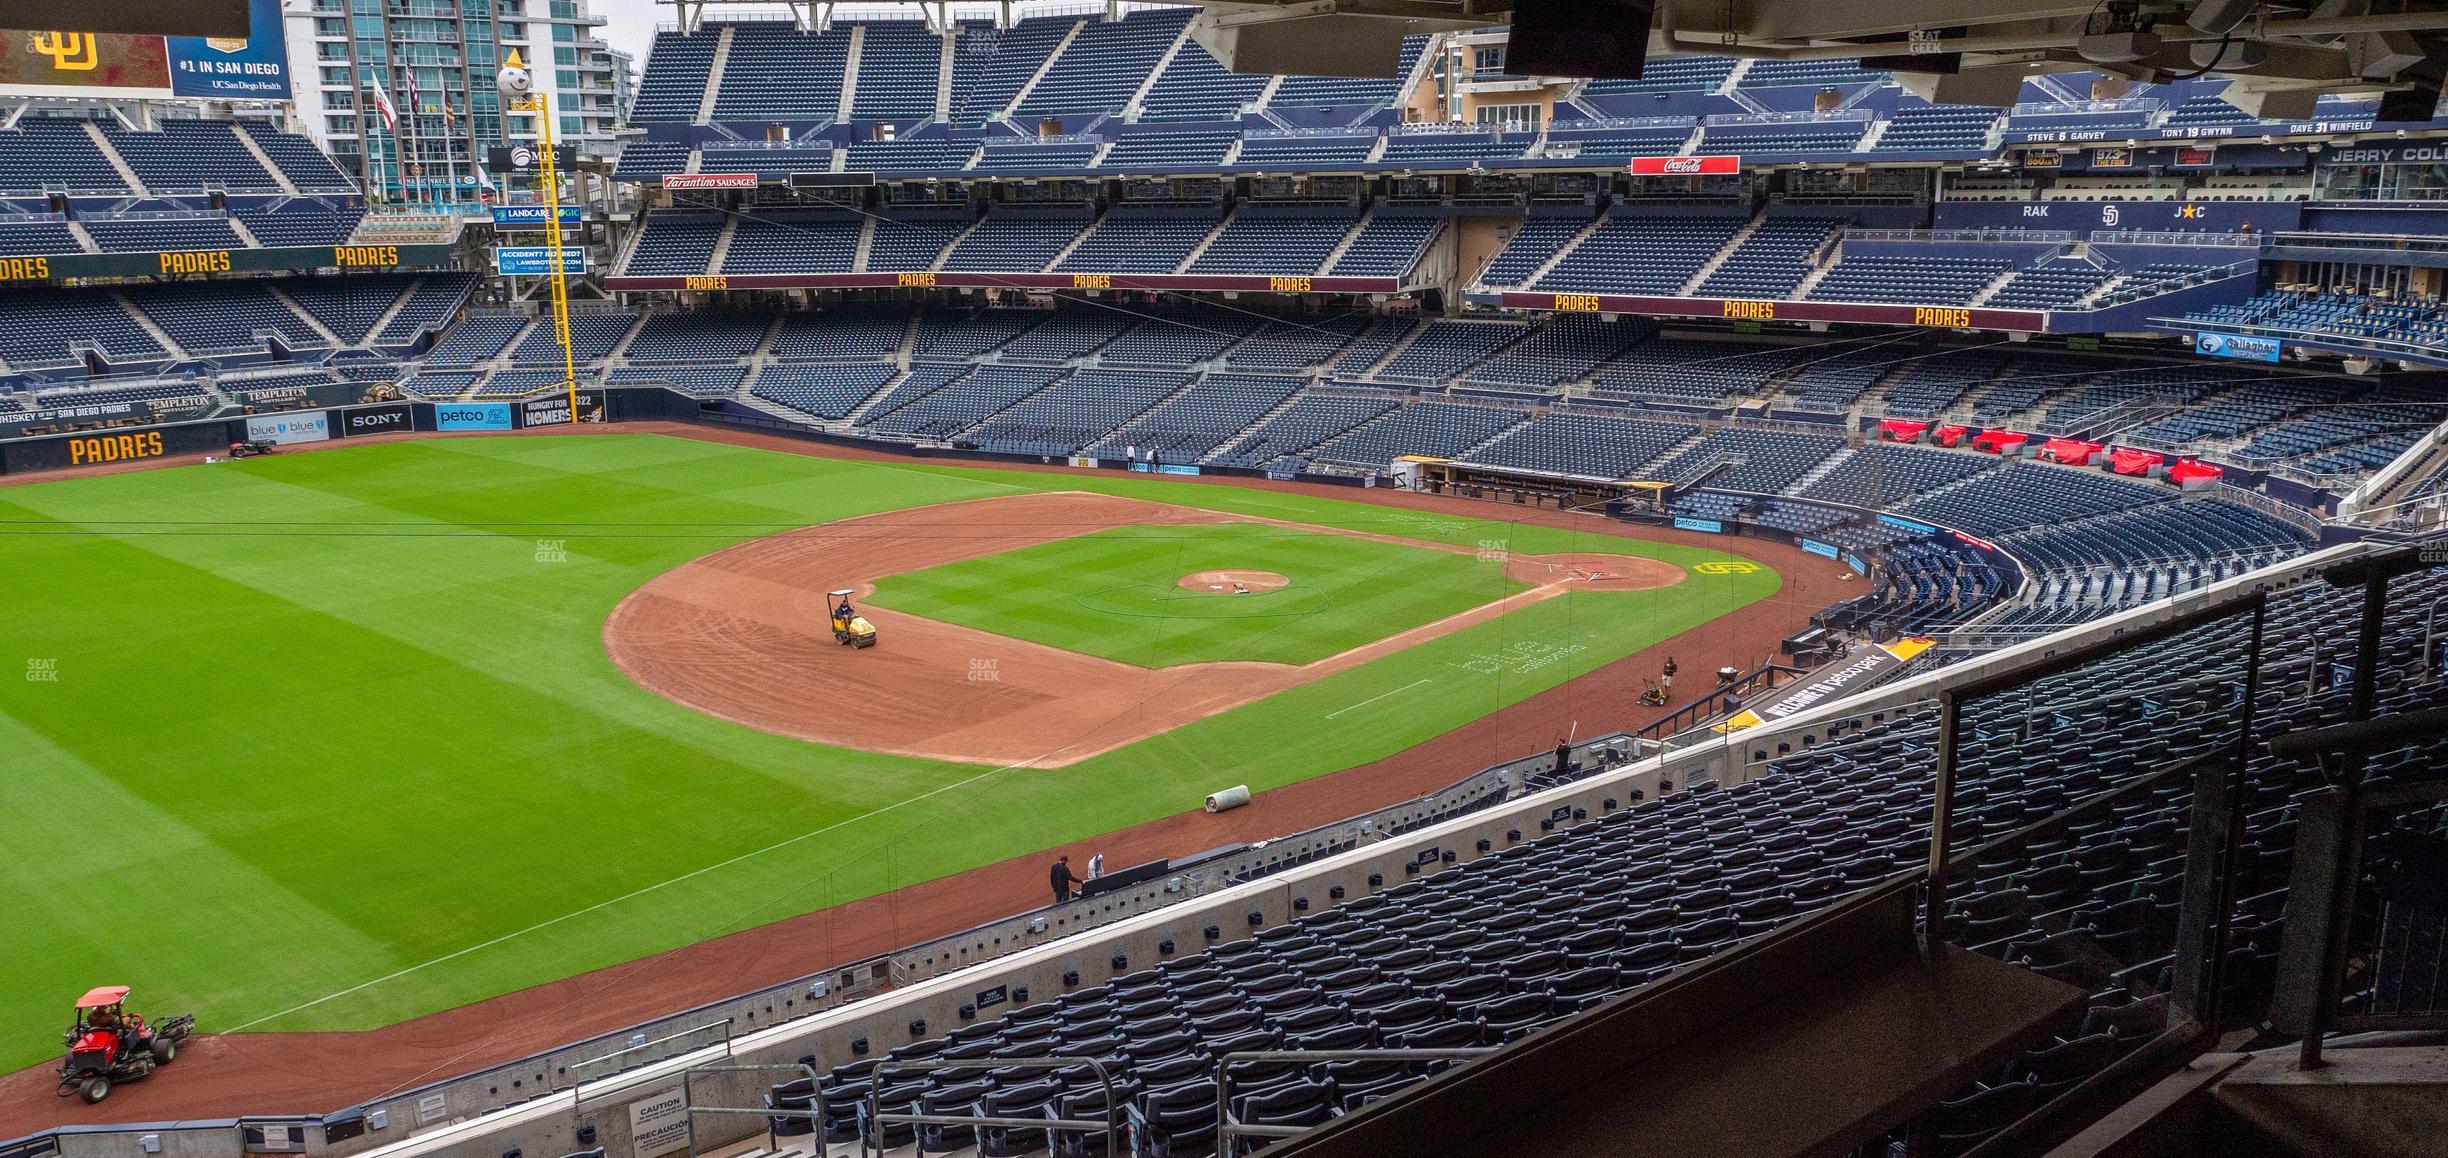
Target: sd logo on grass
1727, 567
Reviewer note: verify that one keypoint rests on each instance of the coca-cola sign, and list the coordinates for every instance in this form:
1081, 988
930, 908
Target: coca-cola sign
1685, 166
709, 180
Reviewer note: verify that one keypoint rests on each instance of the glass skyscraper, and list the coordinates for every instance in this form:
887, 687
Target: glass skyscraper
435, 61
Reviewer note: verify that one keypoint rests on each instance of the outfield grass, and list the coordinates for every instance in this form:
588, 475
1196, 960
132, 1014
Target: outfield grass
1116, 593
324, 741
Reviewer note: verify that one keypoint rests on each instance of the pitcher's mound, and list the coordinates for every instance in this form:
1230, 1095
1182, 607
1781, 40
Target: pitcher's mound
1230, 582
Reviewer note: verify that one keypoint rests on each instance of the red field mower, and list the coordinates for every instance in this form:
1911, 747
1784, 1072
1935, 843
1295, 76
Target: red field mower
107, 1044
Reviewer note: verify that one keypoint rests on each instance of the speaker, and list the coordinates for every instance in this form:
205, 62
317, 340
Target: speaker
1599, 39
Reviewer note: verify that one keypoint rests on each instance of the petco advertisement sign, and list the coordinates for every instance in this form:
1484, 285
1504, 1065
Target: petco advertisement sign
2235, 346
1685, 166
472, 416
306, 426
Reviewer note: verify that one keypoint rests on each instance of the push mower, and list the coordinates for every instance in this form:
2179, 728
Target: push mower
107, 1044
850, 627
1653, 695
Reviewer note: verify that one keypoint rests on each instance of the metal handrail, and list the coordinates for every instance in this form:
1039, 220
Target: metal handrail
578, 1067
689, 1107
1227, 1129
875, 1089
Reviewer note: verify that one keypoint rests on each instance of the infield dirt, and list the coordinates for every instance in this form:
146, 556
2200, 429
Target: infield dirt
742, 635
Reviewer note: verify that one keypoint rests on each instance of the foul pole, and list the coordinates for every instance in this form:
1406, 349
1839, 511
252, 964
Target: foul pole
559, 275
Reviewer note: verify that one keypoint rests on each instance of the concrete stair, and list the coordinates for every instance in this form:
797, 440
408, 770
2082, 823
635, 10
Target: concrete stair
858, 413
1825, 467
1138, 98
620, 349
147, 325
1273, 412
1200, 250
1047, 66
1395, 351
264, 159
1344, 246
713, 88
312, 322
943, 77
955, 243
1563, 251
1266, 94
1811, 280
1691, 285
722, 244
117, 162
1077, 239
849, 84
1995, 284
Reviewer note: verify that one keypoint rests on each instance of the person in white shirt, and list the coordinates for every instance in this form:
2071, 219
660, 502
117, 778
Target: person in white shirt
1096, 866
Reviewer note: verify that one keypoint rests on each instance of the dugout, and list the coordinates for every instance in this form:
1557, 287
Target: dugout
1512, 484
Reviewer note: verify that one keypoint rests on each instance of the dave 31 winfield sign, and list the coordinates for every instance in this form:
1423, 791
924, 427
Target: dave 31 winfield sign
1685, 166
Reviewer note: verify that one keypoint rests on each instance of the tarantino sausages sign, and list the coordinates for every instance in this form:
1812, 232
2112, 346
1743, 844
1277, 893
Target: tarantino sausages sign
555, 410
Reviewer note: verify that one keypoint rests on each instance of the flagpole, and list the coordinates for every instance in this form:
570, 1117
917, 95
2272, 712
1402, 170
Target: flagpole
416, 140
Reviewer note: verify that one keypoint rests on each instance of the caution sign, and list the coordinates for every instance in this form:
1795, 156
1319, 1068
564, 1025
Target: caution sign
659, 1124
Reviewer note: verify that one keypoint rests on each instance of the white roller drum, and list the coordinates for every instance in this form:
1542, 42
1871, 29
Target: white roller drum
1233, 797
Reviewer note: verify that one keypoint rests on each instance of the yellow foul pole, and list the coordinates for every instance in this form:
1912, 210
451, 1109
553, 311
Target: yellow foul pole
552, 232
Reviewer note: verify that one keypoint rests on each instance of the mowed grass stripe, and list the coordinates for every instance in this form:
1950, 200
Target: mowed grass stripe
388, 750
1116, 593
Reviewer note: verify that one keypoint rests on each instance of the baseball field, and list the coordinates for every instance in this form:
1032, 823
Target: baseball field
326, 741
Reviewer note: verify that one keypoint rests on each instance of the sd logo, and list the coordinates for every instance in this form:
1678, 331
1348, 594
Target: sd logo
1727, 567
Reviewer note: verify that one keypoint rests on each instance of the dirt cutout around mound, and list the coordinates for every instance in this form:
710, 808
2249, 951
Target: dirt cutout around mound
741, 635
1231, 582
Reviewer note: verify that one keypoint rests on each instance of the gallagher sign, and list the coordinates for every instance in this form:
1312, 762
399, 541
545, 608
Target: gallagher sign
1685, 166
2237, 346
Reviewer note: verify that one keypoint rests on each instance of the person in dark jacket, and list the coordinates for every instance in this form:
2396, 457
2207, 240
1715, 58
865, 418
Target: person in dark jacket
1062, 879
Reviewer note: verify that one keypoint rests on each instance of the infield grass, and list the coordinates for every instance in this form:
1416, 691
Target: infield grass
1116, 593
329, 740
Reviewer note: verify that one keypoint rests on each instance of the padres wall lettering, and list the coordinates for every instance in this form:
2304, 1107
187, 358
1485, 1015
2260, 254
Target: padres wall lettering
93, 448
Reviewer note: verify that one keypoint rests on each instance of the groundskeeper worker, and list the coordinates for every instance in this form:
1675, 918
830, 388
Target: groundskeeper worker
1062, 879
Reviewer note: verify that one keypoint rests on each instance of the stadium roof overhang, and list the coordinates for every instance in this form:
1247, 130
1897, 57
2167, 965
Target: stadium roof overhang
2283, 53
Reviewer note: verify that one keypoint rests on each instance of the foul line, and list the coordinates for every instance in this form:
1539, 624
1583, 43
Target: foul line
1380, 696
617, 900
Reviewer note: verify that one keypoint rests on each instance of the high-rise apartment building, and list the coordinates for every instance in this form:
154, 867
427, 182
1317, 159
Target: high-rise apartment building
434, 60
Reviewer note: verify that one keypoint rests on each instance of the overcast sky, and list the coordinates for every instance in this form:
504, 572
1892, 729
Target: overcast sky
632, 23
